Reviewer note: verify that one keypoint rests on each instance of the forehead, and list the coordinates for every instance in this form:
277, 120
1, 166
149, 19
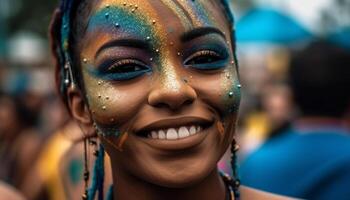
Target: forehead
190, 13
155, 20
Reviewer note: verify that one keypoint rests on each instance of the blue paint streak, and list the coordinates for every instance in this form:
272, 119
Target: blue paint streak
131, 23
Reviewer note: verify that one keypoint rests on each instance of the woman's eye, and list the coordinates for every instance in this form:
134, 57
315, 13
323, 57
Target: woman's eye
206, 60
123, 69
127, 66
203, 57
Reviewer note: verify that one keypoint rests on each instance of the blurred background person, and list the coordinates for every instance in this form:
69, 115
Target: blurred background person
311, 159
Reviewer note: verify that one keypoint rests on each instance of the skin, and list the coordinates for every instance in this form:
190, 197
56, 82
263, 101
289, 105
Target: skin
8, 192
174, 90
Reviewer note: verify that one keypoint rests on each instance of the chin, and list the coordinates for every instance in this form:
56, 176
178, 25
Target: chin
179, 163
184, 168
182, 177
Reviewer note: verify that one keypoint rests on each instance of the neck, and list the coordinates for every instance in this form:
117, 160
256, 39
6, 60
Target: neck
132, 188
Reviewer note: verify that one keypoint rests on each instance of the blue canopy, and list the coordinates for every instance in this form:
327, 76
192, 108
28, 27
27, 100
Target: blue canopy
270, 26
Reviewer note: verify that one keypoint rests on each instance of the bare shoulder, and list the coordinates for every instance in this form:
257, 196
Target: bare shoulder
9, 193
253, 194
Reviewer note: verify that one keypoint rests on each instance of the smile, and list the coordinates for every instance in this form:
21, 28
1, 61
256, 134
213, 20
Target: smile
175, 133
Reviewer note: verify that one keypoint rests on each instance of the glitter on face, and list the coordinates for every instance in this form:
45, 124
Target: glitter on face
128, 23
147, 24
230, 94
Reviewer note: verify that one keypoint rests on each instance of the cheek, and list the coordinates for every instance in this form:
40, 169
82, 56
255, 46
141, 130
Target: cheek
221, 91
113, 105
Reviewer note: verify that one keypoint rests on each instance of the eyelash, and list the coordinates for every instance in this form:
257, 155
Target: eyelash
206, 60
125, 69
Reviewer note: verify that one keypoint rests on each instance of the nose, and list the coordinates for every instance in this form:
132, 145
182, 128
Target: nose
171, 91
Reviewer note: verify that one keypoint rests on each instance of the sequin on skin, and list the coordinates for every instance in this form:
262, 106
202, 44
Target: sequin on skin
140, 24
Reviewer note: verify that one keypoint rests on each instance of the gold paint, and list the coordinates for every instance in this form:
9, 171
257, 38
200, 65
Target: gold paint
191, 11
227, 81
179, 13
122, 140
220, 128
112, 144
169, 77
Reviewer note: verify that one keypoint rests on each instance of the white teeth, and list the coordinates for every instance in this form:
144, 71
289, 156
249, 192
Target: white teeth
171, 134
193, 130
183, 132
174, 134
161, 134
154, 135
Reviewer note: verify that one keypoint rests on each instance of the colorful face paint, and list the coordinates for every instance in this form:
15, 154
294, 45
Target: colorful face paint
160, 79
131, 48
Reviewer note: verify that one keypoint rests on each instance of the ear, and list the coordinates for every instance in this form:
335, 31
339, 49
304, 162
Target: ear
80, 111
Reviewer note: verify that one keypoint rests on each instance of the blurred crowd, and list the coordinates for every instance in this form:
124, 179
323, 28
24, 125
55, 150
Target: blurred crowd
40, 150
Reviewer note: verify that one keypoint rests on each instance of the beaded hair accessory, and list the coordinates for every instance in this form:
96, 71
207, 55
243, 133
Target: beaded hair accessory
66, 62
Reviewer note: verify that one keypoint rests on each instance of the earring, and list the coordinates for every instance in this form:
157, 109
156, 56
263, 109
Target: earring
235, 181
97, 176
86, 172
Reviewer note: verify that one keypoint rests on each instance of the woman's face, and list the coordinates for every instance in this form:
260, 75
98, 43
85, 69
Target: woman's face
161, 84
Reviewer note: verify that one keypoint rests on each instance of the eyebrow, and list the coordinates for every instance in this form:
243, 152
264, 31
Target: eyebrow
198, 32
136, 43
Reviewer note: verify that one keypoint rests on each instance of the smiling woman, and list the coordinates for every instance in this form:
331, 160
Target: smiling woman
158, 82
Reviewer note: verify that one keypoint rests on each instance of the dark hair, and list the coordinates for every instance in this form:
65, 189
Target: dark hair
320, 79
70, 21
